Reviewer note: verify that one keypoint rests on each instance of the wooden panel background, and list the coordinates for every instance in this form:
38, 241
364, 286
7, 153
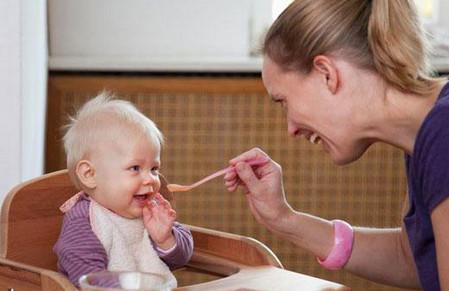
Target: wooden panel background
207, 121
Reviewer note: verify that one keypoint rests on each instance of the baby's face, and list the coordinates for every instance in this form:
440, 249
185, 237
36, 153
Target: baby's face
126, 174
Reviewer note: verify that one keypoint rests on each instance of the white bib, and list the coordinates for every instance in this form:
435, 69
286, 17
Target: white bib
127, 243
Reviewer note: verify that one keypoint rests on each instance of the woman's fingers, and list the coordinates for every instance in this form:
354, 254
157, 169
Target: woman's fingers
233, 178
252, 154
247, 175
233, 185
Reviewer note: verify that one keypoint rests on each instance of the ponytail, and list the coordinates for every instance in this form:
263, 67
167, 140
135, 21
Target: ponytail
398, 45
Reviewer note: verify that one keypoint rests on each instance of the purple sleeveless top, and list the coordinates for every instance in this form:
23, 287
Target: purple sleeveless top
428, 186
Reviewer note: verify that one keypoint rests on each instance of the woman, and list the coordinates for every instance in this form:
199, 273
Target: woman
349, 73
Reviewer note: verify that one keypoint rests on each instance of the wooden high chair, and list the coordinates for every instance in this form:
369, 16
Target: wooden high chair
31, 222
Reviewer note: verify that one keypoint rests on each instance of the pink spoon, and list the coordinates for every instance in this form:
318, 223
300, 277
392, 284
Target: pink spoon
184, 188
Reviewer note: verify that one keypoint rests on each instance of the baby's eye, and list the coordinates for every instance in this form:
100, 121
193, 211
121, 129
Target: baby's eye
155, 170
135, 168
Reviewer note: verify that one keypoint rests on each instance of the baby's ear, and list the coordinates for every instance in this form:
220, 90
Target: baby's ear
85, 172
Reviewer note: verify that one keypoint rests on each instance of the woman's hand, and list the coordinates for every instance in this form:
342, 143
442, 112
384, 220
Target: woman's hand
158, 218
262, 186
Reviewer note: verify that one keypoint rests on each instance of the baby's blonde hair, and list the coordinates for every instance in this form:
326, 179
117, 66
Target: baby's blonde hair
384, 36
99, 118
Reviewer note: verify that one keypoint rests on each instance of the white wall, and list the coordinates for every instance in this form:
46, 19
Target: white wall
34, 86
443, 9
154, 34
10, 81
23, 77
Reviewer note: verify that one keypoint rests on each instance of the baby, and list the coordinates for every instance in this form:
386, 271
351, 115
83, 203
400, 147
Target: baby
119, 221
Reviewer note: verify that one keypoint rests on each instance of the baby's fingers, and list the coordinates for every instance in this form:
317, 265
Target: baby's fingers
147, 213
172, 213
162, 201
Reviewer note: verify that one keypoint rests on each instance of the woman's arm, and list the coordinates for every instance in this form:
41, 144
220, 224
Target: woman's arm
381, 255
400, 257
384, 256
440, 223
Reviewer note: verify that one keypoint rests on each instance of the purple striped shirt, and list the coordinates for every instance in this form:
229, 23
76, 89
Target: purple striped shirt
80, 252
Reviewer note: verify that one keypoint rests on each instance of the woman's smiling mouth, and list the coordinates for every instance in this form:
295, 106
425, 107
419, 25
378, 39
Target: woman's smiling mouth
314, 138
311, 136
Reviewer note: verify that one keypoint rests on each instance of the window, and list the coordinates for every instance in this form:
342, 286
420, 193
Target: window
427, 9
279, 6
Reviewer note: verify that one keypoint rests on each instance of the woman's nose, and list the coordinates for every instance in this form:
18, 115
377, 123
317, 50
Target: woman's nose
292, 129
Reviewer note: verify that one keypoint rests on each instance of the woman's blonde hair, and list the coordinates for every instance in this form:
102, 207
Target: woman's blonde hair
104, 117
384, 36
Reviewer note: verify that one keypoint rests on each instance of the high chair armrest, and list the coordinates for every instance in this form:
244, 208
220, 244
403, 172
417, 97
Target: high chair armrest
225, 253
19, 276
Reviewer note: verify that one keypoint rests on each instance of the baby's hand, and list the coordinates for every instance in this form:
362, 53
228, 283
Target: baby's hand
158, 218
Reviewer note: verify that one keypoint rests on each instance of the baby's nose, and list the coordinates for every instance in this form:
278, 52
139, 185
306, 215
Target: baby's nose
148, 178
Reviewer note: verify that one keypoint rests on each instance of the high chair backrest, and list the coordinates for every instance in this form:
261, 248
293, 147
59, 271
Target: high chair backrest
31, 219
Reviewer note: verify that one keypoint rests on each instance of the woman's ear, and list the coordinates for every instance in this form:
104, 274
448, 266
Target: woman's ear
85, 172
329, 72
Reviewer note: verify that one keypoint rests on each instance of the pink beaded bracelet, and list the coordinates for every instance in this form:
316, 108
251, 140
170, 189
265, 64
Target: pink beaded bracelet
342, 249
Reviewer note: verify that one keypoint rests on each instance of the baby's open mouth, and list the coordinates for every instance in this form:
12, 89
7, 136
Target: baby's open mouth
141, 197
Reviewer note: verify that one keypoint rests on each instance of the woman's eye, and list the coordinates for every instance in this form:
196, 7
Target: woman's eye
283, 104
279, 101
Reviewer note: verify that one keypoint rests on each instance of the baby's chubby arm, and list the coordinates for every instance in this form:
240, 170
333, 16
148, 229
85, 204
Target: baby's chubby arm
173, 242
78, 249
180, 254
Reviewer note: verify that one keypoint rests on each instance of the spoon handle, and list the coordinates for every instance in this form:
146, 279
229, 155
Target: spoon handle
183, 188
255, 162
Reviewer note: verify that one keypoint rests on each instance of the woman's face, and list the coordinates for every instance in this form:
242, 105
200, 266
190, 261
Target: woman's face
326, 117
